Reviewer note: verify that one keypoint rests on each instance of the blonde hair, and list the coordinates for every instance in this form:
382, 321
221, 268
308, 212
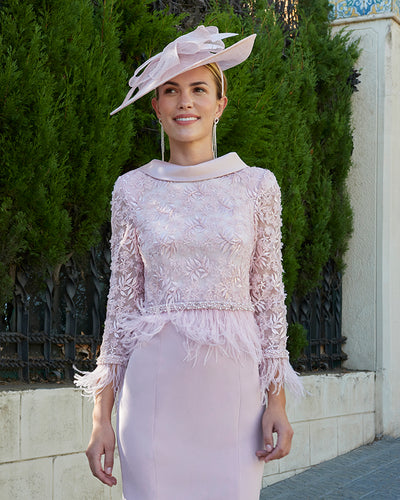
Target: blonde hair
216, 72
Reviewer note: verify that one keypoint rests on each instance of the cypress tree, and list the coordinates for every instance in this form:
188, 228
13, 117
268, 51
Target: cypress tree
266, 120
61, 152
83, 49
32, 173
144, 33
329, 210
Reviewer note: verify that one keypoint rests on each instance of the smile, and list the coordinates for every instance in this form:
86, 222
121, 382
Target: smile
186, 119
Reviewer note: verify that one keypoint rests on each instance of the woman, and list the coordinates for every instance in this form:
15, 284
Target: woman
195, 334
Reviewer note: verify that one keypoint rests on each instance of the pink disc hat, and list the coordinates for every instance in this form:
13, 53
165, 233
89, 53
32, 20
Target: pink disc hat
202, 46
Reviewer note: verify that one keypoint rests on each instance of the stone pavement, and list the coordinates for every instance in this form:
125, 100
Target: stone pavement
371, 472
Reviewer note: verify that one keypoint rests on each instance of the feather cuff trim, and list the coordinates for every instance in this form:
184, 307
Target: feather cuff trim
277, 373
92, 383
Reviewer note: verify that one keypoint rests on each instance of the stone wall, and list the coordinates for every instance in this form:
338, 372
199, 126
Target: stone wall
45, 431
371, 283
338, 415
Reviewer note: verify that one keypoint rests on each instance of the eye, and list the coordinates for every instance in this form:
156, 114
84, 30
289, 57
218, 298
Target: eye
169, 90
200, 90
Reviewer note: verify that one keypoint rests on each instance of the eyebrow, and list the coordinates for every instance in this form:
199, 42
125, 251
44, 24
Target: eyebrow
194, 84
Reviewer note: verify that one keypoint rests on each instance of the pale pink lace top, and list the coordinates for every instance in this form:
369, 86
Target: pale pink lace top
199, 246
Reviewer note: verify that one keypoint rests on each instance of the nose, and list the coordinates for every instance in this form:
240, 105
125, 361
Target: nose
185, 100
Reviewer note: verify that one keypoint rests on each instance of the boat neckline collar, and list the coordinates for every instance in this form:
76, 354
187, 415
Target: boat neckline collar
211, 169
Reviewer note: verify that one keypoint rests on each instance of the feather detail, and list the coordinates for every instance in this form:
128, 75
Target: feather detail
92, 383
226, 333
230, 333
276, 373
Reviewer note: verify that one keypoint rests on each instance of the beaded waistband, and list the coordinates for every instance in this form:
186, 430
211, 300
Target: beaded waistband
187, 306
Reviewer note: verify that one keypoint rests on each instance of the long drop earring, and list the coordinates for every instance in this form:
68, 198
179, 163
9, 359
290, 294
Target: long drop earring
162, 140
222, 81
214, 137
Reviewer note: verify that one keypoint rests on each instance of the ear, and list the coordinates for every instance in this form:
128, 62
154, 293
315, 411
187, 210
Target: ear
154, 103
221, 106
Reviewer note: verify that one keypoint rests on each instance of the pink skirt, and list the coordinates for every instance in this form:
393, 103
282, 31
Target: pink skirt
189, 431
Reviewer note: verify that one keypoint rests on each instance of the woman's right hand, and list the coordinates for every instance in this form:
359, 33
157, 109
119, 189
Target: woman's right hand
102, 442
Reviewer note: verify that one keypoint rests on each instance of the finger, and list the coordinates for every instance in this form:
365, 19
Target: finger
268, 438
281, 449
276, 454
108, 461
106, 478
105, 474
97, 470
261, 455
94, 461
265, 452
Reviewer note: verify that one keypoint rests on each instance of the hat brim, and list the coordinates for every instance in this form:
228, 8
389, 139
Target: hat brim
226, 59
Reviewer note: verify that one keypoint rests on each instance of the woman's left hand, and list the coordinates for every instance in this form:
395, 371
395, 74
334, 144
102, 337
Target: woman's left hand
275, 420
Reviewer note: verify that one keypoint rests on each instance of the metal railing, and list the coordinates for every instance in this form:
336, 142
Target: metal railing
48, 329
320, 312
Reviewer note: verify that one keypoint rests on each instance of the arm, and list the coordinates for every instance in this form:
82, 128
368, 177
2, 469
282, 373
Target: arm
102, 441
268, 296
126, 290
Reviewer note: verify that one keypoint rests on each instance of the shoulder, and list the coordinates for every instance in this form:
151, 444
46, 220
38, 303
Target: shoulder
266, 191
126, 193
129, 183
128, 179
261, 180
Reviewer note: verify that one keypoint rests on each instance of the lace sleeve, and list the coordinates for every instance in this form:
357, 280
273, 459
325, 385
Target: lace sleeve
267, 290
125, 295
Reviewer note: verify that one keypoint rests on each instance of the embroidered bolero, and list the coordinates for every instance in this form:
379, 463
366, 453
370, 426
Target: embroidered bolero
199, 246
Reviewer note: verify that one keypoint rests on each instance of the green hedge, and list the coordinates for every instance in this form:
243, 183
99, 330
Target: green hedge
60, 71
65, 66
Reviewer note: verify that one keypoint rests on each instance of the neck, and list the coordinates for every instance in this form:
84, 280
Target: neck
190, 154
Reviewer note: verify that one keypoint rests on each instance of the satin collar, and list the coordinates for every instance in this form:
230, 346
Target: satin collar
165, 171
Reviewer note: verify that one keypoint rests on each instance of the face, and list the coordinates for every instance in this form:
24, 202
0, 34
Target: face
187, 106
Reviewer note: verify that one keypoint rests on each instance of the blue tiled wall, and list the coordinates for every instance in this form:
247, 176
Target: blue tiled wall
355, 8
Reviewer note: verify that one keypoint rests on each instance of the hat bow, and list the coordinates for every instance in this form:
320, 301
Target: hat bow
202, 41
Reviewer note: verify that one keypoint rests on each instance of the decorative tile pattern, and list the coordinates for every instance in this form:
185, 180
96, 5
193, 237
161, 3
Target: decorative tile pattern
396, 7
355, 8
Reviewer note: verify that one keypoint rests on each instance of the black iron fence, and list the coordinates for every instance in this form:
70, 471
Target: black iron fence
56, 321
320, 312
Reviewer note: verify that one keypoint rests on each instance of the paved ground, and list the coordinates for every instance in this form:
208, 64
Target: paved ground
371, 472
